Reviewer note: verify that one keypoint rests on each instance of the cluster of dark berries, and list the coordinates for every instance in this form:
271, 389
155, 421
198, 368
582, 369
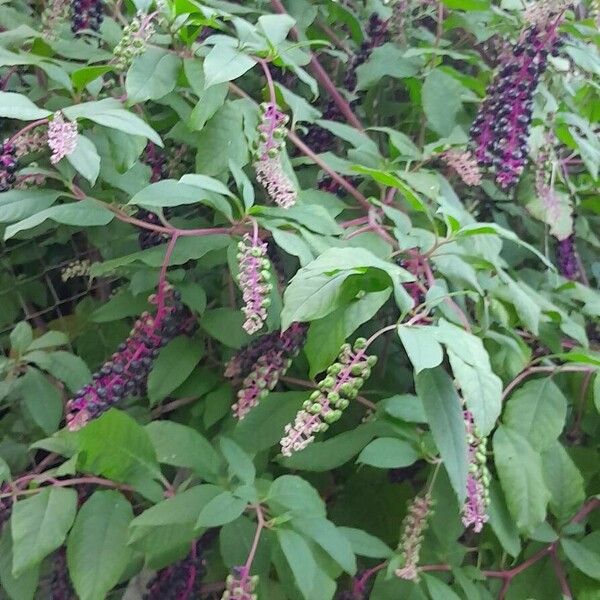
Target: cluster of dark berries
567, 259
126, 373
86, 14
328, 184
146, 237
157, 161
60, 584
377, 34
182, 580
500, 132
262, 363
286, 78
8, 166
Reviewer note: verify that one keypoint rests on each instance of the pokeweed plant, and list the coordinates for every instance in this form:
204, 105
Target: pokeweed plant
340, 334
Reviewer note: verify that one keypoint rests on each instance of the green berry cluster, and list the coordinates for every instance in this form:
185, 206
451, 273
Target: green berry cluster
240, 588
134, 41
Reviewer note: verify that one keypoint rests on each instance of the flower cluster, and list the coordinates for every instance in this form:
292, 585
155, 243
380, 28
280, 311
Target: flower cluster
500, 131
126, 373
55, 12
31, 141
567, 259
8, 166
76, 268
268, 166
413, 529
134, 40
465, 165
255, 281
325, 405
474, 511
240, 586
62, 137
86, 14
262, 364
181, 580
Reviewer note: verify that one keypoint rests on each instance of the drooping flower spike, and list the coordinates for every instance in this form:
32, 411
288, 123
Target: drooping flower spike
62, 137
325, 405
268, 165
465, 165
254, 279
500, 131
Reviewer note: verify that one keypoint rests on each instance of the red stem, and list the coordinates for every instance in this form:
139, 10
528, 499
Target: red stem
27, 128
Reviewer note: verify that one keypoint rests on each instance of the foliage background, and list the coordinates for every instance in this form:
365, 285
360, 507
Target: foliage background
170, 488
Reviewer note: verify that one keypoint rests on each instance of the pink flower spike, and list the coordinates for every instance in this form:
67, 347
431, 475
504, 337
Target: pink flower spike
465, 165
62, 137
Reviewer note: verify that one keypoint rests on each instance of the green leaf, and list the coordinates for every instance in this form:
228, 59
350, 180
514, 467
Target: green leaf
16, 205
181, 446
222, 509
520, 470
225, 63
388, 453
420, 343
386, 60
240, 464
585, 559
17, 106
501, 521
406, 407
441, 97
22, 587
84, 213
21, 336
81, 77
445, 417
109, 113
63, 365
97, 551
537, 410
115, 446
299, 558
39, 525
4, 471
43, 401
318, 289
563, 479
168, 192
467, 4
276, 27
152, 75
292, 493
85, 159
225, 325
173, 366
365, 544
330, 538
438, 589
49, 339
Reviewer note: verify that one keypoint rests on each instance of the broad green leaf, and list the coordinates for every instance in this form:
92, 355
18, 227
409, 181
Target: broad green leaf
68, 368
43, 401
441, 97
39, 525
388, 453
240, 464
467, 4
85, 159
564, 481
292, 493
22, 587
225, 63
49, 339
168, 192
299, 558
422, 347
365, 544
222, 509
81, 77
109, 113
97, 551
330, 538
386, 60
123, 304
84, 213
438, 589
181, 446
585, 559
406, 407
4, 471
17, 106
21, 336
209, 100
520, 470
225, 325
276, 27
235, 542
173, 366
501, 521
16, 205
152, 75
537, 410
445, 417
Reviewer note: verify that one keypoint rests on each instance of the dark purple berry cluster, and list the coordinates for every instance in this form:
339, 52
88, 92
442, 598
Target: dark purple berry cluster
157, 161
126, 372
327, 184
146, 237
182, 580
566, 258
500, 132
8, 166
86, 14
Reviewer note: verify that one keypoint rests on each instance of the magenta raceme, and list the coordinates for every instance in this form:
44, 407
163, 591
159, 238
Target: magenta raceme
155, 158
62, 137
325, 406
500, 131
254, 279
269, 367
244, 359
474, 511
567, 258
268, 165
8, 166
126, 373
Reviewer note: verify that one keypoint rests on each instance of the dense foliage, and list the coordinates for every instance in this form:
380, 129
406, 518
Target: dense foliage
299, 299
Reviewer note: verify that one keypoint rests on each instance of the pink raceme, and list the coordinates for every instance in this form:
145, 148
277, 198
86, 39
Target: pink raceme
62, 137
